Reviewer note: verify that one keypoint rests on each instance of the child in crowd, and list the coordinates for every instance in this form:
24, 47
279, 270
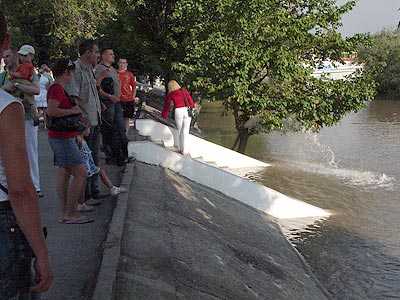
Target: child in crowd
23, 75
25, 70
92, 169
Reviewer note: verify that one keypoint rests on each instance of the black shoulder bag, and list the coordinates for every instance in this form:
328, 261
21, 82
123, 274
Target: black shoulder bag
192, 112
70, 123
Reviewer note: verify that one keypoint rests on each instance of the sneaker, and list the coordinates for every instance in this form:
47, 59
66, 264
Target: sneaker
115, 190
92, 202
84, 207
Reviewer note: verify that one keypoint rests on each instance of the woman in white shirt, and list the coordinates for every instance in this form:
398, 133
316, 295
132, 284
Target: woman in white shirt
41, 99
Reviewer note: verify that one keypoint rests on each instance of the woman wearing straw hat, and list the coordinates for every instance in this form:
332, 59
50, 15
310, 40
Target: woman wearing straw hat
182, 99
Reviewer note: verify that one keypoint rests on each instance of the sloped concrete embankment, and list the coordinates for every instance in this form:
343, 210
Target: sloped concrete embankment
182, 240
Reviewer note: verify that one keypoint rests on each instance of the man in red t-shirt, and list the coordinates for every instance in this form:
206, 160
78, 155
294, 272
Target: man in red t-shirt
128, 97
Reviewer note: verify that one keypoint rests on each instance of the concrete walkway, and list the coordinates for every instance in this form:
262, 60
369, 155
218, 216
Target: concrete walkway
75, 250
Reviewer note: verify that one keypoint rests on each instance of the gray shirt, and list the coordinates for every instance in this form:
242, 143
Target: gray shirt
114, 75
83, 86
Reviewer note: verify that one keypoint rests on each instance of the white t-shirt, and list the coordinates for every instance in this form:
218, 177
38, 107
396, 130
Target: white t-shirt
42, 97
5, 100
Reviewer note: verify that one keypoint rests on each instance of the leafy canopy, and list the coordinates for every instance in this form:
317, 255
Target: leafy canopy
252, 56
384, 54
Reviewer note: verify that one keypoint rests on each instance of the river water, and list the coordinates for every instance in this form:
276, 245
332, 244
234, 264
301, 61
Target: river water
352, 170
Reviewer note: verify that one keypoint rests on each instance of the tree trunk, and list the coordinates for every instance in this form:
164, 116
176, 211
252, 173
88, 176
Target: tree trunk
243, 138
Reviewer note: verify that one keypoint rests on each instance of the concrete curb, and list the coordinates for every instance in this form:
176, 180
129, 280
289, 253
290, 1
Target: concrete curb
112, 247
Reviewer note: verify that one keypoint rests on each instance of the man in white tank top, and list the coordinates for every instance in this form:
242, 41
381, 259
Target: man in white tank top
20, 227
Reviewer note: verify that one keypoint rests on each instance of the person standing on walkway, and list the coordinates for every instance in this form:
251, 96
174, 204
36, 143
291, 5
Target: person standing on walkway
63, 143
83, 90
20, 225
177, 95
91, 168
41, 99
10, 57
128, 92
115, 142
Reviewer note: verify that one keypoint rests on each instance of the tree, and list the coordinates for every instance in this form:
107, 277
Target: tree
145, 30
253, 56
384, 53
54, 27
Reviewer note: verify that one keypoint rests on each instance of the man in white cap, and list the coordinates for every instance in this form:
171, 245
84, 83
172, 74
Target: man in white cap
26, 69
31, 131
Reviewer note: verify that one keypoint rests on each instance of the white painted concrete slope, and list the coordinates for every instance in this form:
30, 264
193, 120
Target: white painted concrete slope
197, 147
241, 189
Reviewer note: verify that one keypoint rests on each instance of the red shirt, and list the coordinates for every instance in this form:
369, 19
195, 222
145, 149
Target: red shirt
56, 92
128, 86
25, 71
177, 97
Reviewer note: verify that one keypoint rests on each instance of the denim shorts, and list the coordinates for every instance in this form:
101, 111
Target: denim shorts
66, 152
15, 259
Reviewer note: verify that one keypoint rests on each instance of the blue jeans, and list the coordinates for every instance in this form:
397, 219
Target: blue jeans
15, 259
115, 142
93, 141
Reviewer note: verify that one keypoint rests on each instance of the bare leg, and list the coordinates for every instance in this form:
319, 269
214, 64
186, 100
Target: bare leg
75, 189
62, 188
81, 199
126, 125
105, 179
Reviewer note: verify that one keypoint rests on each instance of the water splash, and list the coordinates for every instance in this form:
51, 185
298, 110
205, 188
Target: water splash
320, 159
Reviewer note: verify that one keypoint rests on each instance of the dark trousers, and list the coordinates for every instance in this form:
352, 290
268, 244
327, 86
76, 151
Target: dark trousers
15, 259
115, 142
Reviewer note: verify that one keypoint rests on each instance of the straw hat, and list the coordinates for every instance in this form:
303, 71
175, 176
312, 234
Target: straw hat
173, 86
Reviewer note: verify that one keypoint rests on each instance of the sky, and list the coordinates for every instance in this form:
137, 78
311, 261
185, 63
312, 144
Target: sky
370, 16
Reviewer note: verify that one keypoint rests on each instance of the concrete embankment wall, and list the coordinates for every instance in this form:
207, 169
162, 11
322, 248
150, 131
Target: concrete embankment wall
182, 240
220, 177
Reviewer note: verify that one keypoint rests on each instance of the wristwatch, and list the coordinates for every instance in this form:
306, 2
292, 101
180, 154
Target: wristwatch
16, 84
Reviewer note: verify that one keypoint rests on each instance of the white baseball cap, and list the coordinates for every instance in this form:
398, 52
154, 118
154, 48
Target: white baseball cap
26, 49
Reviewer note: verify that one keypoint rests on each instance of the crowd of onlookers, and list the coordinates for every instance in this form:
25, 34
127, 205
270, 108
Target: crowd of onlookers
90, 86
85, 105
104, 98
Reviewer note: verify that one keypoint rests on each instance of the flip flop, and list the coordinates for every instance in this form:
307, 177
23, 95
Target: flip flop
78, 221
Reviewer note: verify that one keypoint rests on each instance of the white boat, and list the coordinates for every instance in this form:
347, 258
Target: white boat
335, 70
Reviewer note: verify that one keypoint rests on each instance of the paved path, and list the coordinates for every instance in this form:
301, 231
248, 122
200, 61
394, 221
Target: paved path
75, 250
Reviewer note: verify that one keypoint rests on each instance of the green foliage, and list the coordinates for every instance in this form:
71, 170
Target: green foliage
251, 55
384, 54
54, 27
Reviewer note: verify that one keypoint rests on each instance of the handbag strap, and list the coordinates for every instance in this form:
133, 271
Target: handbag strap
184, 98
3, 188
72, 101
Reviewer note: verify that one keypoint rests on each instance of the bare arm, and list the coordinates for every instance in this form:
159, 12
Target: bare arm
33, 89
23, 196
103, 94
133, 85
112, 98
54, 110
